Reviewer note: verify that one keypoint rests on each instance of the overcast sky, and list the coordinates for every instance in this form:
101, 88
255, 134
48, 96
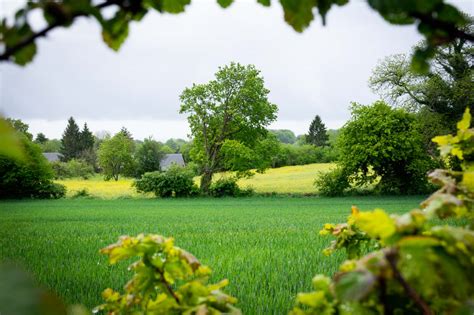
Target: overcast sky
318, 72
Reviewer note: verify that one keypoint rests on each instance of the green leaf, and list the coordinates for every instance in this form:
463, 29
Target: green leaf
10, 144
225, 3
354, 286
115, 30
377, 224
298, 13
465, 122
25, 55
264, 2
175, 6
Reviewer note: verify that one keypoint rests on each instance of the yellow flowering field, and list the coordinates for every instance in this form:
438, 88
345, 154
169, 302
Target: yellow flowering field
284, 180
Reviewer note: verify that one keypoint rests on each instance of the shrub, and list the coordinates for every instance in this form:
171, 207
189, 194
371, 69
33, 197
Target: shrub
29, 177
381, 145
332, 183
177, 181
72, 168
81, 193
225, 186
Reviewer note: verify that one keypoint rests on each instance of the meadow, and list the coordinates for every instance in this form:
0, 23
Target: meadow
274, 180
268, 247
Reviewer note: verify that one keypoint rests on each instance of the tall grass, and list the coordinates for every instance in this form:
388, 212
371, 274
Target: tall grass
268, 248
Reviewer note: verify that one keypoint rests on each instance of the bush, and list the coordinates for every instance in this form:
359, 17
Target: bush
51, 191
30, 177
177, 181
225, 186
81, 193
72, 168
332, 183
381, 145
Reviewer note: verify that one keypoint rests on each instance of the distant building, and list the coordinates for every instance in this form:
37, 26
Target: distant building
53, 156
170, 159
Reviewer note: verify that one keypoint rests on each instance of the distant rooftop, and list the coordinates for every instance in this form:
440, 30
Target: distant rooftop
170, 159
52, 156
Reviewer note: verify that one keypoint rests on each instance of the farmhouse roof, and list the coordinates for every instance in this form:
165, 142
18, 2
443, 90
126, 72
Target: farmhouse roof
169, 159
52, 156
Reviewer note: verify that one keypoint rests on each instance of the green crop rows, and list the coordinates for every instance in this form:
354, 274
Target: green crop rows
269, 248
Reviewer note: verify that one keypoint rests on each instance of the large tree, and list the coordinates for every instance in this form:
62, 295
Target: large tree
233, 106
446, 90
20, 126
116, 156
317, 133
438, 21
71, 143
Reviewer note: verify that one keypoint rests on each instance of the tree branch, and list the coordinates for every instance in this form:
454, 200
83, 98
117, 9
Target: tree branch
392, 260
448, 27
10, 51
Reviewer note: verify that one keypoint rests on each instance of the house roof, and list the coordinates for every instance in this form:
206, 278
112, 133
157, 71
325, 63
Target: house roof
52, 156
169, 159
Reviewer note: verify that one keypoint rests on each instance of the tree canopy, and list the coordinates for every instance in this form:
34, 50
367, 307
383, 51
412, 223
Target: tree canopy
438, 21
233, 106
116, 156
284, 135
148, 156
446, 90
20, 127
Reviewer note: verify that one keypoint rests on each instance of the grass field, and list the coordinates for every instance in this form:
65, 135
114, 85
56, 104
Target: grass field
284, 180
268, 247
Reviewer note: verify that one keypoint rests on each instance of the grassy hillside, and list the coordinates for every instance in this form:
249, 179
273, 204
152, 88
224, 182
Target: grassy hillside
289, 180
268, 247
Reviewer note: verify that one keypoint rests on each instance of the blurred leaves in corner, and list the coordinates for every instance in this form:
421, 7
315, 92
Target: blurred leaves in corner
19, 295
10, 144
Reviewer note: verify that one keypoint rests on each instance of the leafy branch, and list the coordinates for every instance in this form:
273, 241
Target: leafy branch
437, 21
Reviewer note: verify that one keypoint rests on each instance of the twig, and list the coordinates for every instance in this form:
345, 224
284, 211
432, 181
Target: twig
392, 260
10, 51
452, 31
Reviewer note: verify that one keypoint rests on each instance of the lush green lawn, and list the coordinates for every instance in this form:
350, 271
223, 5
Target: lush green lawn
268, 248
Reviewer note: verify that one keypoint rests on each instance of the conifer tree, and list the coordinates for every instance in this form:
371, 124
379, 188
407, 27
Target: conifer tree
126, 133
317, 134
87, 138
71, 141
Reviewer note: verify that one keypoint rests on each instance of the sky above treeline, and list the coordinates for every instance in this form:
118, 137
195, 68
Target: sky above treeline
318, 72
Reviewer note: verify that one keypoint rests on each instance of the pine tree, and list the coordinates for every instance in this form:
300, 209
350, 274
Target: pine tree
71, 141
317, 134
87, 139
126, 133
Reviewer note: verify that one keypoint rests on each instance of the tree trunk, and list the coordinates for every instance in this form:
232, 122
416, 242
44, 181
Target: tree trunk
206, 180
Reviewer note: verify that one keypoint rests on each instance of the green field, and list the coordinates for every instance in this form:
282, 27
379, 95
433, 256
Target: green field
268, 248
274, 180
